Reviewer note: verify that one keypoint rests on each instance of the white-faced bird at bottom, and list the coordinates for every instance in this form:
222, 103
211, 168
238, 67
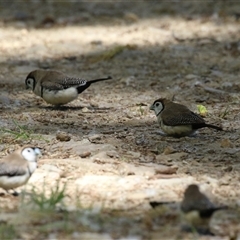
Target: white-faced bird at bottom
17, 167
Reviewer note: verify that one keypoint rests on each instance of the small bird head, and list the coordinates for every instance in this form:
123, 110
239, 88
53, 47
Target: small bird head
33, 77
193, 199
30, 80
31, 153
157, 106
192, 190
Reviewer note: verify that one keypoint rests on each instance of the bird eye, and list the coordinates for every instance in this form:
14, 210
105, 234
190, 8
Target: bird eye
157, 104
28, 81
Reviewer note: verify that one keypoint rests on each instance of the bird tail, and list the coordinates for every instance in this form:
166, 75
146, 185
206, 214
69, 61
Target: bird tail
88, 83
99, 79
154, 204
214, 127
206, 213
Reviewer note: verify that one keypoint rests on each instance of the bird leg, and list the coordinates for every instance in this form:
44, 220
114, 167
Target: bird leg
15, 193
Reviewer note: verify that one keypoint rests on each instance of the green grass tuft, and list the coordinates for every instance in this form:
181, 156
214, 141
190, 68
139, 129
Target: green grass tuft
46, 201
7, 232
22, 132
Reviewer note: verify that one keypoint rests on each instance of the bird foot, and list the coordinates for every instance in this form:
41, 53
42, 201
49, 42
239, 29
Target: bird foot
161, 133
15, 193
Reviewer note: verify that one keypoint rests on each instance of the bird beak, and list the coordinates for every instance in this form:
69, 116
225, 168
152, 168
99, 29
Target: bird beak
38, 152
151, 107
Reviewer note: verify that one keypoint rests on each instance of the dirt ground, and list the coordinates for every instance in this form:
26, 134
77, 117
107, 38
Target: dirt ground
104, 146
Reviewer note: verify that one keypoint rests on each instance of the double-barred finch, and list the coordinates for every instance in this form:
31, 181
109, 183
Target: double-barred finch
177, 120
55, 87
17, 167
197, 209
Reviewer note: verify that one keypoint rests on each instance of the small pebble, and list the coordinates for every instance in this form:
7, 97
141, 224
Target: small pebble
226, 143
63, 137
85, 110
84, 154
94, 137
169, 150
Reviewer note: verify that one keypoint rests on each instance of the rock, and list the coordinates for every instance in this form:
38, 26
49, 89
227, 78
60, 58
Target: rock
132, 187
85, 154
94, 104
134, 154
112, 154
166, 170
226, 143
169, 150
94, 138
43, 176
63, 137
85, 110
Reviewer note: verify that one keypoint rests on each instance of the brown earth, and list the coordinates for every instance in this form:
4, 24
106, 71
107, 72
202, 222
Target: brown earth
115, 161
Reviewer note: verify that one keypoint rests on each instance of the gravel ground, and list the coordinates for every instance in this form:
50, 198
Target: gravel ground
105, 145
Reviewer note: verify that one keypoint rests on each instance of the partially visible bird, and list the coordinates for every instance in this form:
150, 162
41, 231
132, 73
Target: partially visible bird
197, 208
176, 119
55, 87
195, 200
17, 167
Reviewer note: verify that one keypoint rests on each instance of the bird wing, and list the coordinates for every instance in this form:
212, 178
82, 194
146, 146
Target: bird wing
6, 170
200, 203
52, 86
60, 84
71, 81
205, 204
180, 115
13, 164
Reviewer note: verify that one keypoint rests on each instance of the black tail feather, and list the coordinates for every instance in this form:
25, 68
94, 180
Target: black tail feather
154, 204
208, 212
88, 83
99, 79
214, 127
202, 125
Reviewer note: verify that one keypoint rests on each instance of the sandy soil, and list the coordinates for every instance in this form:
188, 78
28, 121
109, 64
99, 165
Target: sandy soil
115, 162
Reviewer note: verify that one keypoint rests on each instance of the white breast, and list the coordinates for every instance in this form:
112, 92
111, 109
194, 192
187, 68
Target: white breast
32, 166
60, 97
